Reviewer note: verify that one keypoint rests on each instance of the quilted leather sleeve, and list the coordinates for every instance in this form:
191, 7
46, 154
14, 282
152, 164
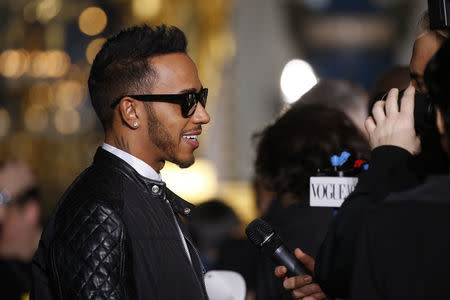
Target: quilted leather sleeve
89, 255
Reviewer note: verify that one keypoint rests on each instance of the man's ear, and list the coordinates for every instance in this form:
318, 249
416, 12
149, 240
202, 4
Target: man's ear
128, 111
440, 121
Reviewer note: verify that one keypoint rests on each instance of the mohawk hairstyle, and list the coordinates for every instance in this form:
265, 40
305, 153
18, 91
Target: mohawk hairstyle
122, 65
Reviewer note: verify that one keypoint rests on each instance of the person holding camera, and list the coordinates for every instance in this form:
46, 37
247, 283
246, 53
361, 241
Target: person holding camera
408, 234
392, 169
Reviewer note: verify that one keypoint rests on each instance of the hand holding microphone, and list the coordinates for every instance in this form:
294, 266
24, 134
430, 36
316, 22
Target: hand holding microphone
300, 269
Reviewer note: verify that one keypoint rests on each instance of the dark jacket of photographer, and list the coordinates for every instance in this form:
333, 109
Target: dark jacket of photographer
391, 170
113, 236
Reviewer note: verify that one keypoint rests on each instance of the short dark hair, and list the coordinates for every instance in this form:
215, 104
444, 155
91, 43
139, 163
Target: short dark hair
122, 65
303, 139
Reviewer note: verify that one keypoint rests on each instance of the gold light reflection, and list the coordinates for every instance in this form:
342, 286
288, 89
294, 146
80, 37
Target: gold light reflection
195, 184
53, 63
47, 10
5, 122
68, 94
92, 21
145, 9
41, 94
58, 63
93, 48
36, 118
14, 63
67, 120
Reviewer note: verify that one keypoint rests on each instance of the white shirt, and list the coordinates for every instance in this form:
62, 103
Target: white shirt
146, 171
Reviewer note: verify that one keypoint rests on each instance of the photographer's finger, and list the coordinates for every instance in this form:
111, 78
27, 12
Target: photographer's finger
378, 113
392, 103
370, 125
407, 105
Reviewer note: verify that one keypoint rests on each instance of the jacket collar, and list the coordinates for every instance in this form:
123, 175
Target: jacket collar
156, 188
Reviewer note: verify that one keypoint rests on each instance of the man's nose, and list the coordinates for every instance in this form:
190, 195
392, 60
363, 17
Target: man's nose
201, 116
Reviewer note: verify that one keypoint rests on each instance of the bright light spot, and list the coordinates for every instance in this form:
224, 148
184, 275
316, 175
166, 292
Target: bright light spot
67, 120
5, 122
13, 63
47, 10
53, 63
195, 184
145, 9
36, 118
297, 78
68, 93
92, 21
58, 63
93, 48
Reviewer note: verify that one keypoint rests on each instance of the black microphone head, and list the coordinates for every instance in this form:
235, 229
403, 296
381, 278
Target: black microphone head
258, 231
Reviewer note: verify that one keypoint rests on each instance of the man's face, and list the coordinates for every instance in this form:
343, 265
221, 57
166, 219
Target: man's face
174, 136
425, 46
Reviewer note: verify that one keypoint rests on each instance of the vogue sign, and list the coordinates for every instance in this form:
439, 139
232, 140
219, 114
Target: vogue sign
330, 191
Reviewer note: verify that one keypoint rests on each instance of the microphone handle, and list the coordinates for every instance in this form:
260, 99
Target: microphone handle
282, 256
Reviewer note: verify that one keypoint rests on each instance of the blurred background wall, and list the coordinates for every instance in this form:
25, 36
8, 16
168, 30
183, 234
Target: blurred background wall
253, 55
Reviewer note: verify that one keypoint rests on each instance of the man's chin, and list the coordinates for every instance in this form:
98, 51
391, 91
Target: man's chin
183, 164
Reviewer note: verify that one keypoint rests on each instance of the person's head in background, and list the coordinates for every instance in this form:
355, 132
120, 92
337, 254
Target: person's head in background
302, 140
20, 227
343, 95
212, 223
437, 78
425, 46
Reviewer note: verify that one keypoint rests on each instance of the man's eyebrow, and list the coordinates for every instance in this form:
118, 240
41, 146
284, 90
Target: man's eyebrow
191, 90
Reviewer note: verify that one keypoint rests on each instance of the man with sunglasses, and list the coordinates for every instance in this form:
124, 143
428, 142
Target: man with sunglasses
117, 233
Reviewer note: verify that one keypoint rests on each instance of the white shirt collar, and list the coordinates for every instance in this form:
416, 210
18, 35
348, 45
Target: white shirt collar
140, 166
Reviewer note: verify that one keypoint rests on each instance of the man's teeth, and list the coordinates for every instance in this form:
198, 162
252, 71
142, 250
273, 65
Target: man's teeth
191, 137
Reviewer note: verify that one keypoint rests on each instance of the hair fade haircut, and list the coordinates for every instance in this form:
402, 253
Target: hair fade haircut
122, 66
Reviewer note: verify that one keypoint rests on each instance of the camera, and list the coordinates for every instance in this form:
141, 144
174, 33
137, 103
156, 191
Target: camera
424, 112
439, 11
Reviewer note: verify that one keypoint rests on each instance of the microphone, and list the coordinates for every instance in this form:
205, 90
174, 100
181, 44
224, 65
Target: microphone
261, 234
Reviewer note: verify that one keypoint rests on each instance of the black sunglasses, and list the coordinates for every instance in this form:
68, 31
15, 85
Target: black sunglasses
187, 101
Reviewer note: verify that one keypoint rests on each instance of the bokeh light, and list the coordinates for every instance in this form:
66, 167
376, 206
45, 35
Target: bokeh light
92, 21
68, 93
47, 10
14, 63
67, 120
297, 78
53, 63
93, 48
36, 118
195, 184
5, 122
145, 9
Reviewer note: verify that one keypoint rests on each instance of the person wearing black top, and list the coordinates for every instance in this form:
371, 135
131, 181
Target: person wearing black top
116, 233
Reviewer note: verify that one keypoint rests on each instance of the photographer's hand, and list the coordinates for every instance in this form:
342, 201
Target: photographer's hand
389, 126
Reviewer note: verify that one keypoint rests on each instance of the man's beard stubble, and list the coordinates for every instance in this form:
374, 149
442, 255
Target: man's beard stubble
162, 139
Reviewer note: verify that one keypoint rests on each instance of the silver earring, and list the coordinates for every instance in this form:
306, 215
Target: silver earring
135, 124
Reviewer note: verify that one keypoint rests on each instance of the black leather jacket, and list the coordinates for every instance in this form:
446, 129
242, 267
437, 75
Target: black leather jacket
113, 236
